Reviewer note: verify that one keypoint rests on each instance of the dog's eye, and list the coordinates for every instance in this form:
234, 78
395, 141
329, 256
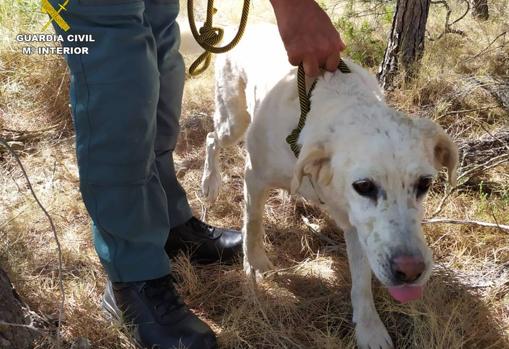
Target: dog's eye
423, 185
366, 187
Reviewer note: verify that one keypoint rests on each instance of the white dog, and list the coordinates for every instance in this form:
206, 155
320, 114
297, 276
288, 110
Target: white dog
368, 165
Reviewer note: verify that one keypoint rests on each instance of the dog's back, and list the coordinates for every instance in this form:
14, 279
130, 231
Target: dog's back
259, 61
255, 87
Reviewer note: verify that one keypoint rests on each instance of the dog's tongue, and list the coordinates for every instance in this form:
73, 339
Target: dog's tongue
406, 293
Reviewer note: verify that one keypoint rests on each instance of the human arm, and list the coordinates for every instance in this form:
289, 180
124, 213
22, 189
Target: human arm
308, 35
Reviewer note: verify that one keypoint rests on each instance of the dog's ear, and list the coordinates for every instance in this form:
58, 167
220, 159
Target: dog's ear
442, 149
314, 161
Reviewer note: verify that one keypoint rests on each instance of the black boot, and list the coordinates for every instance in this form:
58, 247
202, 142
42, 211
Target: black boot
205, 243
156, 316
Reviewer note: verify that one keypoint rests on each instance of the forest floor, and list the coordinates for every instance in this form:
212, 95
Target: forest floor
307, 303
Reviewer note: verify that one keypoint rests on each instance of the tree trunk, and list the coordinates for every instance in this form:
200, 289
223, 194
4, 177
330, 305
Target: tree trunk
11, 312
480, 9
406, 40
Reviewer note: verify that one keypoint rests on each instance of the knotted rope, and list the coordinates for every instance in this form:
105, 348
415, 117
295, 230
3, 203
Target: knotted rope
209, 36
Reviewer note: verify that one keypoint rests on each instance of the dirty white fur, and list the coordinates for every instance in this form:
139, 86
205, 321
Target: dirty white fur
350, 135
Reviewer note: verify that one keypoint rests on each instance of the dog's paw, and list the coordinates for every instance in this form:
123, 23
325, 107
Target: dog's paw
257, 265
210, 184
372, 334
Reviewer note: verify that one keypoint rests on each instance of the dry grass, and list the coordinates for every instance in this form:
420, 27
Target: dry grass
33, 88
306, 304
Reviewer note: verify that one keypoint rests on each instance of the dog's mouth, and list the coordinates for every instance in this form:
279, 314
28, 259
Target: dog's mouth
406, 293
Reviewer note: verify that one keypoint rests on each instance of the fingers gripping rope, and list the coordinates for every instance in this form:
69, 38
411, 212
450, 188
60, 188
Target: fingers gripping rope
209, 36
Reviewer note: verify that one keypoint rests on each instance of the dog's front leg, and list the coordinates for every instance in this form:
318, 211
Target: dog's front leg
256, 261
369, 329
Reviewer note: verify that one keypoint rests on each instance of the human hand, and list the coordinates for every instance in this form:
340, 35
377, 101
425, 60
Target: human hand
308, 35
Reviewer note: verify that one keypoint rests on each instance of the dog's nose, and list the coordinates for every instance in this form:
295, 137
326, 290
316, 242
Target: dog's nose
407, 268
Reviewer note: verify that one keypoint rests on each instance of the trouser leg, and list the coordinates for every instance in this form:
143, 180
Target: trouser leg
114, 96
162, 15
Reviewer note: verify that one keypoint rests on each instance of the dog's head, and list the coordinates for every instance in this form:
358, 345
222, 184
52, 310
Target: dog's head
377, 183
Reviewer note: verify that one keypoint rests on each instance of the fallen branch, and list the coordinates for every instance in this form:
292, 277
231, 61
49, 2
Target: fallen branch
18, 138
494, 162
497, 87
467, 222
481, 167
29, 326
41, 130
463, 111
478, 156
484, 149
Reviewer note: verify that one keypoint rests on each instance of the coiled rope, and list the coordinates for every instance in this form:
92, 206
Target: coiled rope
209, 36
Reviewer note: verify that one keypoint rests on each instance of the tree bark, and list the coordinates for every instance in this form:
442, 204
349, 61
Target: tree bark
406, 41
480, 9
12, 313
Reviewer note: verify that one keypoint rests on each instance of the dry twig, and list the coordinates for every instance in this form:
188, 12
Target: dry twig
55, 235
29, 326
478, 156
448, 24
463, 111
468, 222
491, 163
484, 50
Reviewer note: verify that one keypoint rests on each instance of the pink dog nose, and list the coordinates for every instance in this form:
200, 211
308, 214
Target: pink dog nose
407, 268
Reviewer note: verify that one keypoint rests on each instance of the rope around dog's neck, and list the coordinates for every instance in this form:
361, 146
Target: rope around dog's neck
209, 36
305, 104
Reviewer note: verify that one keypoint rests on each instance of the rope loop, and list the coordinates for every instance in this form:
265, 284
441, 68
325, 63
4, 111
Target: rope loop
209, 36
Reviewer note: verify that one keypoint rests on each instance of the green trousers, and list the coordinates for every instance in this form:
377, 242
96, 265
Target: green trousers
126, 96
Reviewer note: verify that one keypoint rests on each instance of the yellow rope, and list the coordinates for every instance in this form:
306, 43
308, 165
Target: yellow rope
209, 36
305, 107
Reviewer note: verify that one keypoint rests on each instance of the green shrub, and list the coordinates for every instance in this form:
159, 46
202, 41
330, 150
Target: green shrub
363, 44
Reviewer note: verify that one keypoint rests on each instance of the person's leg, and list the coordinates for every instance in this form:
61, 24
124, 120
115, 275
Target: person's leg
162, 16
114, 95
206, 243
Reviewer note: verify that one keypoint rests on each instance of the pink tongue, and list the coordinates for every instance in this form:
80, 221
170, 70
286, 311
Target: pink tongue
406, 293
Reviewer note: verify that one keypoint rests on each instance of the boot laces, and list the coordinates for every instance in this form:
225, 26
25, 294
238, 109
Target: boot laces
166, 298
199, 226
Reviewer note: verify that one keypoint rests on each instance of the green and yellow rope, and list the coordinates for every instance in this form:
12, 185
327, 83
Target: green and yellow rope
305, 105
209, 36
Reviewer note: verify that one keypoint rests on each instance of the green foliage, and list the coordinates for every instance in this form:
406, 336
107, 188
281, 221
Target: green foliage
388, 14
20, 15
363, 45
